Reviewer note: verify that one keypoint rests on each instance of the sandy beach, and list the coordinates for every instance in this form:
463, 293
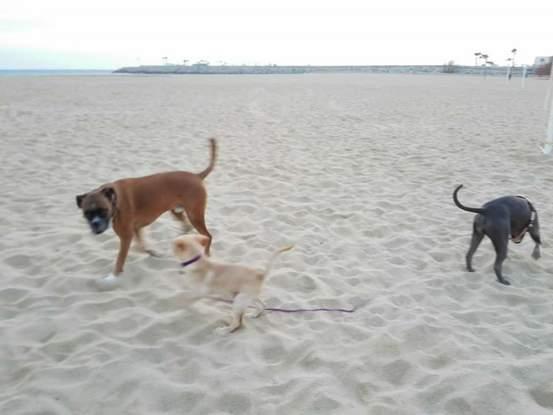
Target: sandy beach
356, 170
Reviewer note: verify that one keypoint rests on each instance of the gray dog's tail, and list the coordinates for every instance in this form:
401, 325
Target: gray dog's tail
460, 206
213, 157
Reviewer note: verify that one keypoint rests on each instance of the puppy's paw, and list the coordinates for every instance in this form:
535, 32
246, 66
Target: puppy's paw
536, 254
109, 282
223, 331
504, 282
255, 314
153, 253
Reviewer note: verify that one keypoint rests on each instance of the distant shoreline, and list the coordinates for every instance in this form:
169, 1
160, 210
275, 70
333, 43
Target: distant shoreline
55, 72
271, 70
204, 69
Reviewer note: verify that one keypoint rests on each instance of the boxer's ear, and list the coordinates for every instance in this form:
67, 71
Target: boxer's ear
79, 200
109, 192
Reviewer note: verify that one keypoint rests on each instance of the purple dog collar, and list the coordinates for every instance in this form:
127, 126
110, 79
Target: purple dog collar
191, 261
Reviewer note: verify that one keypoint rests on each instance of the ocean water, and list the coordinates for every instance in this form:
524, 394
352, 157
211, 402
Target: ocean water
54, 72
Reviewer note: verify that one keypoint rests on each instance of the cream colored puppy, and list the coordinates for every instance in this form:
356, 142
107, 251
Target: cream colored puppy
241, 283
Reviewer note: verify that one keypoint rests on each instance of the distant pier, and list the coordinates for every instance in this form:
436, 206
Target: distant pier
205, 69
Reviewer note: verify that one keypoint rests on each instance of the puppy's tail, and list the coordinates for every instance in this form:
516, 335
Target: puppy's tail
460, 206
274, 257
213, 157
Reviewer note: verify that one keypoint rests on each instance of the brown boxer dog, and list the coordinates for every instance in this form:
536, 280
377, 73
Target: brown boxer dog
133, 203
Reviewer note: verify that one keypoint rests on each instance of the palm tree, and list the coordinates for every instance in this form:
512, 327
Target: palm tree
509, 69
476, 57
513, 51
484, 57
164, 59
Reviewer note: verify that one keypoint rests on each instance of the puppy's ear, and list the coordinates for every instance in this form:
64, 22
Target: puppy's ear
179, 245
79, 200
109, 192
202, 239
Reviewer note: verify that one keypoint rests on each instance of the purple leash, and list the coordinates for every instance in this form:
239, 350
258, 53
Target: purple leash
191, 261
301, 310
296, 310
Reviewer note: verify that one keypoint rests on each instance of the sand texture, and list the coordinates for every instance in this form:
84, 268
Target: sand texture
356, 170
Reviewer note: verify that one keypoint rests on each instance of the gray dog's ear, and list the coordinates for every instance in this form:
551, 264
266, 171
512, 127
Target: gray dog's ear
109, 192
79, 200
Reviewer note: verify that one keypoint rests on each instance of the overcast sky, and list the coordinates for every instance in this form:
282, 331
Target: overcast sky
114, 33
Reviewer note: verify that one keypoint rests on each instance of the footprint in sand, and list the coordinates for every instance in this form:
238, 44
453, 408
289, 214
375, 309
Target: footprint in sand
19, 261
543, 395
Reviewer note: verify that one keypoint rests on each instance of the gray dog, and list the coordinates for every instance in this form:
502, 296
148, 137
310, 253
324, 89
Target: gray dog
508, 217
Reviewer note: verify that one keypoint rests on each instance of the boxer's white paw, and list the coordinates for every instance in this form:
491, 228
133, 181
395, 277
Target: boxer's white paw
109, 282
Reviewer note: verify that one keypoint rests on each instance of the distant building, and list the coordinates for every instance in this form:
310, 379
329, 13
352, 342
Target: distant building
542, 60
542, 65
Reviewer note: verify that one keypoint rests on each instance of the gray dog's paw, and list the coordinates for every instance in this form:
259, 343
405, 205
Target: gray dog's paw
536, 254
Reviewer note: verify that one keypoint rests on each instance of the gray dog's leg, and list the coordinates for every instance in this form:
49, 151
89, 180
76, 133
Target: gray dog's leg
500, 238
474, 243
534, 232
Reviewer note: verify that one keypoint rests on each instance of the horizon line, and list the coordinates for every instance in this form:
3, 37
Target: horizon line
240, 64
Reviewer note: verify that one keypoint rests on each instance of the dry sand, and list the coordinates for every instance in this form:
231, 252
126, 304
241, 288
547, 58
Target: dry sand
356, 170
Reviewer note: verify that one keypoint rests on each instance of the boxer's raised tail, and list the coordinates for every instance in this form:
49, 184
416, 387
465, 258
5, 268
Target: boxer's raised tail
460, 206
213, 157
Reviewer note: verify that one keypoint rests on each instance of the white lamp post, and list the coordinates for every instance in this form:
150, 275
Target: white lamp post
547, 103
523, 78
549, 135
